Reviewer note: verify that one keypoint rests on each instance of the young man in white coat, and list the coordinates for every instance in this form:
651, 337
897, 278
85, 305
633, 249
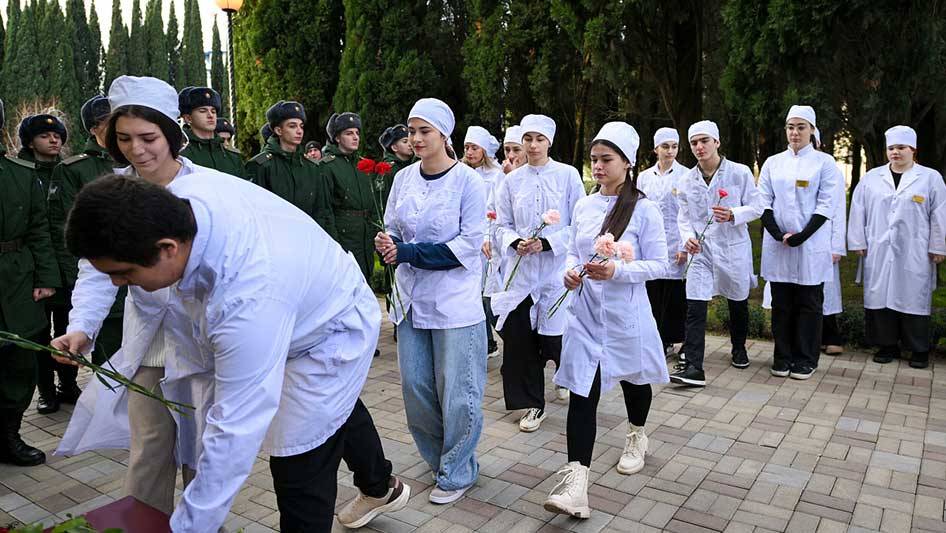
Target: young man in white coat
897, 224
798, 188
282, 319
723, 191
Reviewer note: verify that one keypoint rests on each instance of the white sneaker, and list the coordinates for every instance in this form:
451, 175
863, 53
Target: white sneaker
635, 448
364, 509
441, 496
531, 420
570, 495
561, 393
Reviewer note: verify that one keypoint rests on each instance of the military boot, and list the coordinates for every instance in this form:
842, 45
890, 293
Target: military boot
12, 448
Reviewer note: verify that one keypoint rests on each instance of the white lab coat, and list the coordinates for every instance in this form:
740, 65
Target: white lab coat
662, 188
523, 197
100, 418
450, 210
899, 227
492, 268
838, 223
724, 266
796, 187
610, 323
284, 323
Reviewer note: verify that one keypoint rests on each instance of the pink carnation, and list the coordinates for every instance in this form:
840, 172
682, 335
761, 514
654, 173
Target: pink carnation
605, 246
551, 217
625, 251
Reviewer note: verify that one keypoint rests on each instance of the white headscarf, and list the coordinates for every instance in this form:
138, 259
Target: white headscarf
622, 135
664, 135
805, 112
146, 92
435, 112
538, 124
901, 135
479, 136
513, 135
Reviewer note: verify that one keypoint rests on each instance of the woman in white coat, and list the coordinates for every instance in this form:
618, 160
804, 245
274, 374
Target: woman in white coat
143, 134
479, 154
832, 338
798, 189
530, 336
611, 336
667, 295
897, 225
724, 191
436, 221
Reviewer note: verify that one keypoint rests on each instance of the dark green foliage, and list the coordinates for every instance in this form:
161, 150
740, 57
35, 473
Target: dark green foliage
154, 42
116, 59
173, 47
193, 70
218, 72
137, 53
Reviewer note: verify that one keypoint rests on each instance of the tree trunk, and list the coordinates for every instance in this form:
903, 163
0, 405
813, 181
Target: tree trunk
855, 164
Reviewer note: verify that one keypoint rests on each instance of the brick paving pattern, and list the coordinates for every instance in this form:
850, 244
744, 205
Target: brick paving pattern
859, 447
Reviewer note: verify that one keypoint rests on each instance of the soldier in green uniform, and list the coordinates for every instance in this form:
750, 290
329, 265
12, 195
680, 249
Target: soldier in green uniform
199, 109
28, 274
71, 175
354, 198
283, 169
397, 153
41, 140
225, 130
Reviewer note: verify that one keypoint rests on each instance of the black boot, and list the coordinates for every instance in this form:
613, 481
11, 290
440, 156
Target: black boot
48, 401
12, 448
68, 393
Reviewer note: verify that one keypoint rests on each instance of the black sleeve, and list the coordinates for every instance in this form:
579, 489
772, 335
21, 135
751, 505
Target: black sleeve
515, 244
815, 222
771, 226
546, 246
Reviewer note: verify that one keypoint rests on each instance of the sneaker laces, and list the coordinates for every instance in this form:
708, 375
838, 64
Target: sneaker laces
632, 446
532, 414
567, 482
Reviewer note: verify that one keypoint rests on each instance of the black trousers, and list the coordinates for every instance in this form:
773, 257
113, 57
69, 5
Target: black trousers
306, 484
831, 334
889, 329
490, 321
695, 344
581, 424
668, 300
46, 366
525, 353
796, 323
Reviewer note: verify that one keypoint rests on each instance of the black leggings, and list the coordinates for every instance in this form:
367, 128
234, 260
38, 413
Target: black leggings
583, 415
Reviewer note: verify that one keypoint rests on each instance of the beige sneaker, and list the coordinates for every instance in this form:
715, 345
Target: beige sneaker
570, 495
832, 349
364, 509
531, 420
635, 448
561, 393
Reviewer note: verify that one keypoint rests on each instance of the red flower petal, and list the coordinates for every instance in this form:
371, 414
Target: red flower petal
382, 168
366, 165
723, 193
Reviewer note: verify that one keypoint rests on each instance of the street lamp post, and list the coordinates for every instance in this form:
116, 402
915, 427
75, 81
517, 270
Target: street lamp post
230, 7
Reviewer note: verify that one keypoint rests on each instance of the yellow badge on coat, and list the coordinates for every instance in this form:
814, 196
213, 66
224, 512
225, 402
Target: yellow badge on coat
674, 191
801, 183
919, 199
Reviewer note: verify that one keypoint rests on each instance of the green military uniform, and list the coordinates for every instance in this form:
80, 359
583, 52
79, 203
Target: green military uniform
212, 153
70, 176
27, 261
295, 179
356, 204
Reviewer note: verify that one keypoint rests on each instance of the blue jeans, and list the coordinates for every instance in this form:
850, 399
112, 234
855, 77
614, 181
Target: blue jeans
443, 375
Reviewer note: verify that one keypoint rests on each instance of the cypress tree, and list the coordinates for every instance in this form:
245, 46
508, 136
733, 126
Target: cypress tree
27, 62
218, 73
116, 59
194, 71
96, 55
483, 62
10, 47
304, 67
174, 49
82, 45
137, 49
155, 42
64, 84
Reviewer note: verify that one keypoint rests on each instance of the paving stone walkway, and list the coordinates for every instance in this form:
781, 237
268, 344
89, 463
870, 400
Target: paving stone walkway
859, 447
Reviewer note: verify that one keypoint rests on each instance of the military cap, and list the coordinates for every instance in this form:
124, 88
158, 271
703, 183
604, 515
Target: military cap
338, 123
284, 110
94, 110
191, 98
34, 125
266, 132
392, 135
224, 126
313, 145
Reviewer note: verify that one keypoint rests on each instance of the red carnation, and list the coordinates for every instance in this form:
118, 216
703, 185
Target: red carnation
382, 168
366, 165
723, 193
491, 215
